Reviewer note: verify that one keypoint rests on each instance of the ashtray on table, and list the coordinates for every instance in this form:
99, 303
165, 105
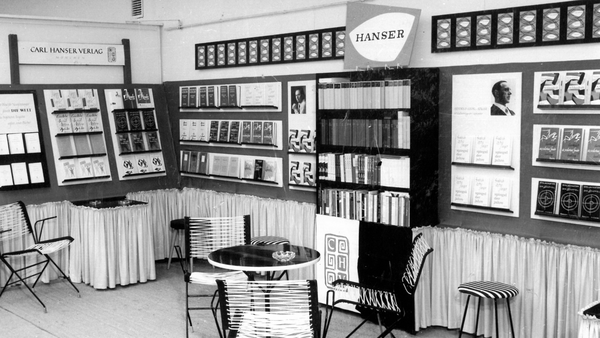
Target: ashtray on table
283, 256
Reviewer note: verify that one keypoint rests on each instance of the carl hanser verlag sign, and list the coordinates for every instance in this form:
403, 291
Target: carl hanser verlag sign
379, 36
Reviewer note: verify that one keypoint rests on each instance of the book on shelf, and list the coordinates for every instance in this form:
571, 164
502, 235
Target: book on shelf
121, 123
128, 164
223, 131
69, 169
592, 153
550, 86
152, 140
79, 122
248, 169
233, 92
271, 95
90, 99
461, 190
482, 149
481, 191
65, 146
184, 94
4, 147
257, 132
149, 119
211, 99
84, 168
234, 132
194, 161
258, 169
135, 120
124, 143
269, 129
114, 98
223, 96
546, 198
202, 163
97, 143
394, 171
157, 162
143, 163
93, 121
202, 97
295, 173
203, 130
57, 100
574, 92
184, 160
594, 94
219, 165
32, 143
193, 97
100, 166
308, 174
502, 150
129, 101
307, 143
569, 202
137, 141
63, 123
246, 131
213, 135
184, 130
501, 193
36, 172
233, 169
16, 143
590, 202
144, 98
269, 172
549, 143
294, 141
463, 148
82, 145
571, 145
73, 100
194, 131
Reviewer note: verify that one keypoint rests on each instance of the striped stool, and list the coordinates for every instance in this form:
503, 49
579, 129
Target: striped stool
271, 240
491, 290
178, 225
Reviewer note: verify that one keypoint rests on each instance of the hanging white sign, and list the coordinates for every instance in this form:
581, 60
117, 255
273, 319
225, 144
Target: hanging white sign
56, 53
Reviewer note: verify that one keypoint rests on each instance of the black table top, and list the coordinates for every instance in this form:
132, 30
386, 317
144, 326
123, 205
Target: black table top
105, 203
260, 258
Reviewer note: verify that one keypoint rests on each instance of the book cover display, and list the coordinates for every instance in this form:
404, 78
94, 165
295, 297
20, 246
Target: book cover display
135, 132
546, 198
79, 144
549, 143
566, 91
569, 202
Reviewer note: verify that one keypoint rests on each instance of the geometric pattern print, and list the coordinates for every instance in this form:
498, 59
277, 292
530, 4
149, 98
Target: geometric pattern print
486, 289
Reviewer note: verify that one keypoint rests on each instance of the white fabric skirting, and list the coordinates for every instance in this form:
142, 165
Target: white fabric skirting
554, 281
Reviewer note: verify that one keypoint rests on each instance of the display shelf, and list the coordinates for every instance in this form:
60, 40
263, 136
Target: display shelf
567, 92
86, 179
73, 111
480, 207
80, 133
579, 144
231, 97
81, 156
489, 166
152, 173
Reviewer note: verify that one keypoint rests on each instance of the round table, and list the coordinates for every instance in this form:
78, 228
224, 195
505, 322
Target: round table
253, 258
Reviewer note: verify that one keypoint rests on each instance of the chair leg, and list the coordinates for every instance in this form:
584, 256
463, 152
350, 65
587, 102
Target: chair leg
464, 317
496, 310
14, 272
64, 275
173, 240
180, 257
477, 317
510, 317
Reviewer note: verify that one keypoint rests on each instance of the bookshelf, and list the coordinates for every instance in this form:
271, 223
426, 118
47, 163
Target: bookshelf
377, 149
134, 133
78, 143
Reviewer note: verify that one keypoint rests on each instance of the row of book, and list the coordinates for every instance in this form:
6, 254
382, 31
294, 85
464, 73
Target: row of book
19, 143
387, 133
234, 166
78, 122
302, 141
572, 88
134, 120
18, 173
385, 207
581, 201
569, 144
380, 170
302, 173
482, 191
141, 163
138, 141
255, 132
231, 95
129, 98
72, 99
483, 149
84, 167
388, 94
80, 145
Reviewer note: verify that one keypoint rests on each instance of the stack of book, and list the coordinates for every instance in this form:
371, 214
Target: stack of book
389, 94
387, 133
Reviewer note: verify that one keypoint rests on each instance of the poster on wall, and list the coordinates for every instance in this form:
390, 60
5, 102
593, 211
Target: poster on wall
302, 117
22, 160
486, 134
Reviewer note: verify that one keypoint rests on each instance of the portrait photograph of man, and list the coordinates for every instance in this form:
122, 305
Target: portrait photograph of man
502, 94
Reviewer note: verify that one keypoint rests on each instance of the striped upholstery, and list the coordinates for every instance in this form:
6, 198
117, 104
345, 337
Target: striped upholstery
269, 240
486, 289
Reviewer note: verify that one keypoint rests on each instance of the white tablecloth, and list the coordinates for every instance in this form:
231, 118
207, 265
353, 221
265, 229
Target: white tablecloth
589, 326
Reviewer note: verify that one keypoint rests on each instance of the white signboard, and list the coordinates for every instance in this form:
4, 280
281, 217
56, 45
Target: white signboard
43, 53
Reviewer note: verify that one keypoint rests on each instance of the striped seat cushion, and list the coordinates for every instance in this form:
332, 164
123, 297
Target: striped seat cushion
269, 240
488, 289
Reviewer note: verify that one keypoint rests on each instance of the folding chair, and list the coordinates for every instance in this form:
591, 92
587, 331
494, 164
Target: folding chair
203, 236
14, 223
275, 308
381, 301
